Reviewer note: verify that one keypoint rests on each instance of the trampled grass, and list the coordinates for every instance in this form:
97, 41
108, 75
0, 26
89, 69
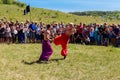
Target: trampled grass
82, 63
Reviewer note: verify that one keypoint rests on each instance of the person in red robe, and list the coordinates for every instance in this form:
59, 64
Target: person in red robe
63, 39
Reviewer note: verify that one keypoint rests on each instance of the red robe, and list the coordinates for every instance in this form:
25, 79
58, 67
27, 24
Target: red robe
62, 40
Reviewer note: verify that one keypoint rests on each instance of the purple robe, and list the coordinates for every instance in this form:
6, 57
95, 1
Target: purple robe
46, 50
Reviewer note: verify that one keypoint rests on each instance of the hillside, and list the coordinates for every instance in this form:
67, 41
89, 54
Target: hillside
15, 12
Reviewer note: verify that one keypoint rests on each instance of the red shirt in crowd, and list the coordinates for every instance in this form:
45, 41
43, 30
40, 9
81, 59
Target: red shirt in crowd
79, 29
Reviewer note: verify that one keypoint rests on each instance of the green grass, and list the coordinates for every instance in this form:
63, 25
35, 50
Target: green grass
38, 14
82, 63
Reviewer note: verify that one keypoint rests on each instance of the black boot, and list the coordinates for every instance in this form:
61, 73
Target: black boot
64, 57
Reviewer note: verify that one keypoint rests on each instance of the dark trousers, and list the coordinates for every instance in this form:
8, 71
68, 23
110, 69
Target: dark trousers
20, 38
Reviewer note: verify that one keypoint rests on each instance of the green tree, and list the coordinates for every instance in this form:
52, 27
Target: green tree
8, 1
1, 1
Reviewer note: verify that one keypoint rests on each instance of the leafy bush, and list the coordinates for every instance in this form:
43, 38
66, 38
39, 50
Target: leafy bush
1, 1
12, 2
19, 4
7, 1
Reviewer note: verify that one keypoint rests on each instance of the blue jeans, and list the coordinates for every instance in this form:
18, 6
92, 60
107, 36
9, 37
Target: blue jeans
38, 37
26, 37
99, 40
20, 38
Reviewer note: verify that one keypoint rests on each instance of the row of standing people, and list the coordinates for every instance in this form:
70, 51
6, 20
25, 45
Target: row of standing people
28, 32
11, 32
31, 32
96, 34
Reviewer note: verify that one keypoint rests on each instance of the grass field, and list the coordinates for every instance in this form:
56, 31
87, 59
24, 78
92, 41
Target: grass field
82, 63
47, 16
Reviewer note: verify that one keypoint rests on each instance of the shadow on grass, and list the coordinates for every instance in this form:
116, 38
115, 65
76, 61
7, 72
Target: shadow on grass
28, 63
42, 62
52, 60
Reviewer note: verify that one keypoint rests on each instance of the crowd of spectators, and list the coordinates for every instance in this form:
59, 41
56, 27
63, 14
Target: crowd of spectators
32, 32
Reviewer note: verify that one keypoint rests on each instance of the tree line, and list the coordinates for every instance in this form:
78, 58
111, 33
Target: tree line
12, 2
103, 14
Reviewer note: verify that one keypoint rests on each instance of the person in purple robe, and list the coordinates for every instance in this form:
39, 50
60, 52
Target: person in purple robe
47, 50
